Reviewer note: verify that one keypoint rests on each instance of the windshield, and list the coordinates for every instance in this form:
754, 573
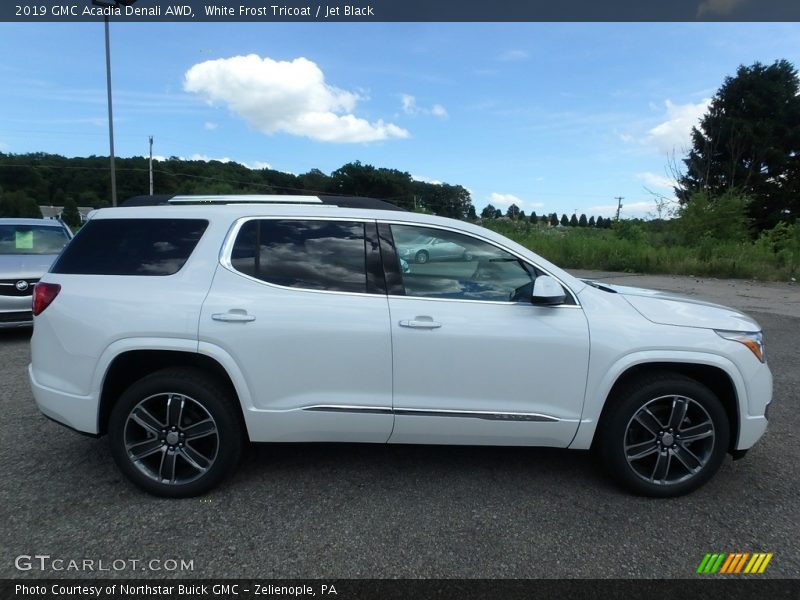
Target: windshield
32, 239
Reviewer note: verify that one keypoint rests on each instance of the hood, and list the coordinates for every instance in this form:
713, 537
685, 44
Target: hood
666, 308
25, 266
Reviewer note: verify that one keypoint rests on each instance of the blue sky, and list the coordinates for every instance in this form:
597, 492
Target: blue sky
554, 117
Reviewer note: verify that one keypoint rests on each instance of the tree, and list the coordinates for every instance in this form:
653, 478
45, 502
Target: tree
573, 221
592, 222
19, 204
582, 222
722, 218
513, 212
533, 218
488, 212
553, 219
749, 140
70, 214
498, 213
564, 220
522, 215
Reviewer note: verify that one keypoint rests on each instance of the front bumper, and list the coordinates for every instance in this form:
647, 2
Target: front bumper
15, 311
76, 412
753, 414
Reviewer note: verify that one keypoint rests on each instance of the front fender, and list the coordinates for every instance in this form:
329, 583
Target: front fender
597, 394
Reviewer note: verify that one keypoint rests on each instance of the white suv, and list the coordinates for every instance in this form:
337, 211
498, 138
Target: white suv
183, 331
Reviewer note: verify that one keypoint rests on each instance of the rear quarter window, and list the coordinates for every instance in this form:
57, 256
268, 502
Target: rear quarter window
131, 247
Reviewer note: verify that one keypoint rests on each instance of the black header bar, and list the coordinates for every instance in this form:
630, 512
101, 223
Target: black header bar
365, 11
743, 588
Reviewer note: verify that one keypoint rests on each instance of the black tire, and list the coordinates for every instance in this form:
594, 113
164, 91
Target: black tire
677, 459
205, 446
422, 257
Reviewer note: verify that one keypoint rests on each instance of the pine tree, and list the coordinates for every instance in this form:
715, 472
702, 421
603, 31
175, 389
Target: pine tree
70, 214
749, 141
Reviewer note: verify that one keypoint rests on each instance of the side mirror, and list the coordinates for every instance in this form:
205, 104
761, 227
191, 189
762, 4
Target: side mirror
547, 292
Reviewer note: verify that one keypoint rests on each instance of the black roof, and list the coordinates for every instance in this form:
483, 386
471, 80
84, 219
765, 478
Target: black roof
341, 201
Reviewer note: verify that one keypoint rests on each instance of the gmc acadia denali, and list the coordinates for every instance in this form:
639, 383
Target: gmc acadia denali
185, 330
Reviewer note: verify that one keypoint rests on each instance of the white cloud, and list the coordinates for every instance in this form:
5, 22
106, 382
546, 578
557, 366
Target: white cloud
255, 165
717, 7
496, 199
206, 158
410, 107
210, 126
437, 110
513, 56
656, 181
675, 132
286, 96
426, 179
409, 104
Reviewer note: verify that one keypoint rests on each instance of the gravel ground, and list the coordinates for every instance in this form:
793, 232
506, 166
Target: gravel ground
341, 511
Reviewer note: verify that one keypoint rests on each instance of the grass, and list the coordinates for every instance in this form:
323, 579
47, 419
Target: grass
648, 252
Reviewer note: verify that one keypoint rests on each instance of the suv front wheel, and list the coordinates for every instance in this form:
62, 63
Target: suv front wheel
175, 433
665, 435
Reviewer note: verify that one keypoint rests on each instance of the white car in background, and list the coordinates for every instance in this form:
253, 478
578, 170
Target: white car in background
185, 331
27, 249
425, 248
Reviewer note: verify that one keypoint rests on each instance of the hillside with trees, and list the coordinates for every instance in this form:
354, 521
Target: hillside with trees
28, 180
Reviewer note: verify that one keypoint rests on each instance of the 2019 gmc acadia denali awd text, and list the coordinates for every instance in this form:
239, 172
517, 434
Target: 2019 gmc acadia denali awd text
183, 331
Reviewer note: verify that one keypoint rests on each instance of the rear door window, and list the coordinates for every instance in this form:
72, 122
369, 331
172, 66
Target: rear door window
309, 254
131, 247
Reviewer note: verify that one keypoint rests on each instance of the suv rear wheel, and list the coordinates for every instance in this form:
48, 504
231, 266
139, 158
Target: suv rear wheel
665, 435
175, 433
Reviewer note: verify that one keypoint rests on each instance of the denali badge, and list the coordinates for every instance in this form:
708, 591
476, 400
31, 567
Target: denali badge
21, 285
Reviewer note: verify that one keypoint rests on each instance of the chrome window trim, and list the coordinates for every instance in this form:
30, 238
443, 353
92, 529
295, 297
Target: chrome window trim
491, 243
233, 232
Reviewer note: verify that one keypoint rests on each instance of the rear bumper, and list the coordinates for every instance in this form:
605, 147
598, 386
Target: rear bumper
76, 412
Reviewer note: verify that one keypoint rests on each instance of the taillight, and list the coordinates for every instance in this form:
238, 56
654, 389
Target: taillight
43, 295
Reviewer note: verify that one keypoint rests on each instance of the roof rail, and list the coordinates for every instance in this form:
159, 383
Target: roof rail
236, 199
321, 200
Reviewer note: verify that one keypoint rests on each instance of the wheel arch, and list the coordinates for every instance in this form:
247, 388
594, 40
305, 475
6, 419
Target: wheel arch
713, 371
129, 365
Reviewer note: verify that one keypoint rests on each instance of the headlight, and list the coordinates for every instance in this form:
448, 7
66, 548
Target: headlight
754, 341
405, 251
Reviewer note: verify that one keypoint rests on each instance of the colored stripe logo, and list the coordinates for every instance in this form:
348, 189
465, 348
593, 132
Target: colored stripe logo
734, 562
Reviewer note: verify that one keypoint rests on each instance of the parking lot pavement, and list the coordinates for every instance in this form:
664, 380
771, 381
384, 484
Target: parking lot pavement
323, 510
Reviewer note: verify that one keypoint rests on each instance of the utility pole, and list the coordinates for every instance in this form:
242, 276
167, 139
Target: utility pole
151, 165
107, 5
110, 117
619, 200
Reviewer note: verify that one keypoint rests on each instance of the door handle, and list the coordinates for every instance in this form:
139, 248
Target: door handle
420, 323
233, 316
